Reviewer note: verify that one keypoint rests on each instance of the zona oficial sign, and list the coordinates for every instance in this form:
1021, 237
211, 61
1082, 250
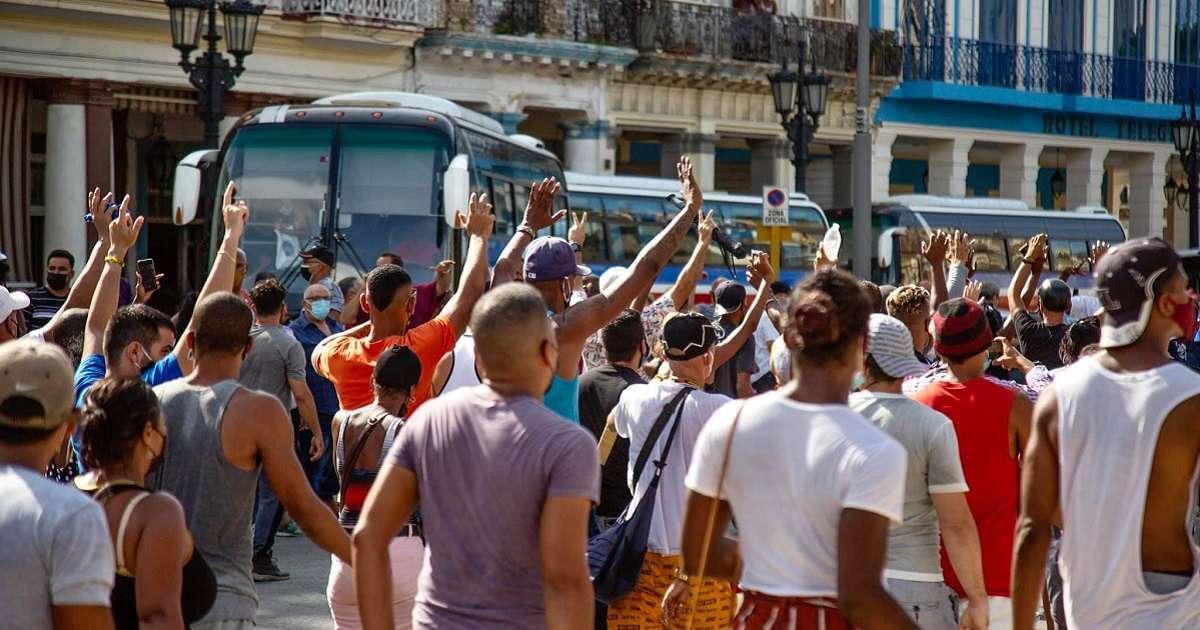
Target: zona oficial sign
775, 206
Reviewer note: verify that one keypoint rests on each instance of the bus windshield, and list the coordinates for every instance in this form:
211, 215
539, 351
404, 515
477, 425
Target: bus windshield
386, 184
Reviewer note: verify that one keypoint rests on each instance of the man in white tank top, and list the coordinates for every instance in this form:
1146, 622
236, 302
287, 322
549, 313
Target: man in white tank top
1116, 446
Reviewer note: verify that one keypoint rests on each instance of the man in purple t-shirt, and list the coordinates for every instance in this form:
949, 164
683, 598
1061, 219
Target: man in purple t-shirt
505, 488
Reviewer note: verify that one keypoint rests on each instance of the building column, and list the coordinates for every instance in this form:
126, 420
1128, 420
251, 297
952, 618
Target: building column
821, 182
67, 170
770, 164
881, 165
1085, 174
588, 147
701, 148
948, 161
1019, 172
843, 175
508, 120
1146, 200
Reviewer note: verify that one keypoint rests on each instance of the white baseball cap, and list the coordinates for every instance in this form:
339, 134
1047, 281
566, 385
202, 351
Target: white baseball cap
11, 301
611, 276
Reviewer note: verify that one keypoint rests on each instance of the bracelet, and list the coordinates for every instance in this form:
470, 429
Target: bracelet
114, 260
681, 576
576, 247
526, 230
1029, 262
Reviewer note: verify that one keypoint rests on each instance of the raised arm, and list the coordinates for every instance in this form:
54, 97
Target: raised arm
685, 284
577, 236
934, 251
961, 247
220, 277
585, 318
123, 233
480, 222
761, 275
1036, 250
85, 285
1039, 504
539, 215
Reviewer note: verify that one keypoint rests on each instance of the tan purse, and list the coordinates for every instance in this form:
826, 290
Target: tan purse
712, 517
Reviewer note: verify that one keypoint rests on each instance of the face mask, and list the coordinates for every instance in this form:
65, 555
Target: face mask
857, 381
320, 309
305, 273
149, 362
1185, 317
56, 281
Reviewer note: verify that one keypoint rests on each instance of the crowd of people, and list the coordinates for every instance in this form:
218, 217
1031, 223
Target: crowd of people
839, 454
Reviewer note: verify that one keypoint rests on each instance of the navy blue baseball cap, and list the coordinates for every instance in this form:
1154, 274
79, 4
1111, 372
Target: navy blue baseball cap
551, 258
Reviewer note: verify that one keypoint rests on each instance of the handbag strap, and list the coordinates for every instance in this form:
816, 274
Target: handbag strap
712, 513
355, 451
655, 431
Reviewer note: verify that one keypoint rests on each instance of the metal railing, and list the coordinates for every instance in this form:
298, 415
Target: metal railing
1035, 69
414, 12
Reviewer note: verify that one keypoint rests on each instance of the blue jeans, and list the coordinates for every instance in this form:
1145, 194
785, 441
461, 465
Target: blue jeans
267, 515
319, 471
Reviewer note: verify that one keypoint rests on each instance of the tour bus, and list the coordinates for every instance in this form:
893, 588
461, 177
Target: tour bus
624, 213
362, 174
999, 227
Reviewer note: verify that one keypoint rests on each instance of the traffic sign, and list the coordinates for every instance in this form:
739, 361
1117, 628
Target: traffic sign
775, 206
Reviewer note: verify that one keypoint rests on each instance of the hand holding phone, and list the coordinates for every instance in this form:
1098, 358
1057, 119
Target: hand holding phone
147, 273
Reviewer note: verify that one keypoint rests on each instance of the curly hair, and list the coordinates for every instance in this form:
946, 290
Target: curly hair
827, 312
114, 417
907, 302
1079, 336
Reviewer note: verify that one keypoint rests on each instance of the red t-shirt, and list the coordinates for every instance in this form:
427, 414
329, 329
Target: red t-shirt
349, 362
979, 410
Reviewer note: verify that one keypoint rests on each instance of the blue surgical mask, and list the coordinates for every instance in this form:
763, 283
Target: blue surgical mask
858, 381
320, 308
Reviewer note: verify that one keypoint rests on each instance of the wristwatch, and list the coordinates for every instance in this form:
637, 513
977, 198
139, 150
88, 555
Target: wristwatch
576, 247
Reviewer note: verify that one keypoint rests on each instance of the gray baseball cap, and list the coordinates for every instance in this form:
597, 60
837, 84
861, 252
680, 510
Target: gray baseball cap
890, 343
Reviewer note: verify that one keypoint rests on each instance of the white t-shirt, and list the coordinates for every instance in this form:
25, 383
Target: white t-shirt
793, 468
634, 416
781, 360
764, 336
57, 550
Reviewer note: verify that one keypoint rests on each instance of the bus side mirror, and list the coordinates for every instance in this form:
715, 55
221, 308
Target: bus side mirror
456, 188
185, 198
886, 245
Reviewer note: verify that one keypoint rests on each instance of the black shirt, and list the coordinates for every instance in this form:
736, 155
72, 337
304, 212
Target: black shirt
599, 392
1037, 341
725, 375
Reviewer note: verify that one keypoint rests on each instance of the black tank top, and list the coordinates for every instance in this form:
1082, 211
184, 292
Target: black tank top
199, 585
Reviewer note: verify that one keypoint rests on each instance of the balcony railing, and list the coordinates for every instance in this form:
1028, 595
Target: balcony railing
390, 12
1034, 69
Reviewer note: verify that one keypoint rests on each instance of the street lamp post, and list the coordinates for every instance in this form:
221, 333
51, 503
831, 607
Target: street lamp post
1186, 133
211, 73
800, 102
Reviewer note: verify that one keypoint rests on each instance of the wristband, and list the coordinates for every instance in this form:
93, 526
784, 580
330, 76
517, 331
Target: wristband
1029, 262
527, 231
114, 260
576, 247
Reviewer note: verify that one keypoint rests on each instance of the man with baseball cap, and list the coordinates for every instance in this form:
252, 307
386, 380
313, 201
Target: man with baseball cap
56, 570
935, 493
1039, 340
733, 377
317, 268
12, 320
991, 423
1116, 447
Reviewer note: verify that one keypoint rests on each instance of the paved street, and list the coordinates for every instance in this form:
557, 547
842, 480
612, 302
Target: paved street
298, 603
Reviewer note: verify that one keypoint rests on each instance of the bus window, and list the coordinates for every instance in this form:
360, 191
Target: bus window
631, 223
1014, 252
502, 205
807, 230
989, 253
1067, 253
912, 263
594, 249
742, 223
283, 174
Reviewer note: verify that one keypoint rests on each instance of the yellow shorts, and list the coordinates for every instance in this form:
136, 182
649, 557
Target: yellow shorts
642, 607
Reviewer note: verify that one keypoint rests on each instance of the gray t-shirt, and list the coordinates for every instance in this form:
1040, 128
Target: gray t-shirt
56, 549
933, 467
485, 466
725, 376
275, 358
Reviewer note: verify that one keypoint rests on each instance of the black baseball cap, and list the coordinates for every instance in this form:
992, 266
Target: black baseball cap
1126, 280
1055, 295
687, 335
397, 367
321, 253
729, 297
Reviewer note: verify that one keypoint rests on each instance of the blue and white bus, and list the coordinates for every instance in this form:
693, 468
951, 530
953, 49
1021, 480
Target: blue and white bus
626, 212
362, 174
1000, 227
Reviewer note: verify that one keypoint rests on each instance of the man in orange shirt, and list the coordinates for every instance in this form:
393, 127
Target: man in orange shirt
348, 359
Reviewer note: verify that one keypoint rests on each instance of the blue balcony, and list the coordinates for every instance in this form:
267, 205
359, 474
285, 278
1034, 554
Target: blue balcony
1042, 71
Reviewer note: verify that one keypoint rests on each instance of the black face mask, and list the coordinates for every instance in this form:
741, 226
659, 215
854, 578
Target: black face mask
56, 281
305, 273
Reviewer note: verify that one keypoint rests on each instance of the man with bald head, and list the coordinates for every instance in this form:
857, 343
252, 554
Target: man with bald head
316, 323
505, 488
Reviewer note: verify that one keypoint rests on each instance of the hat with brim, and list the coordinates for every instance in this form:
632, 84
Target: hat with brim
551, 258
39, 373
730, 297
11, 301
1126, 280
686, 336
890, 344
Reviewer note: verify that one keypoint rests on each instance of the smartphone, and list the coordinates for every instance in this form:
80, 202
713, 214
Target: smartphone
145, 269
996, 349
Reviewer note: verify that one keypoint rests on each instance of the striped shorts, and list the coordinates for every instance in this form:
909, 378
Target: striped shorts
642, 607
767, 612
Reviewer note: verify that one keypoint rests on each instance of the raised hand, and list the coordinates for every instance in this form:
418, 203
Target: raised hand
235, 215
759, 269
97, 207
124, 230
1037, 249
1010, 359
823, 261
935, 249
1098, 252
480, 219
143, 295
442, 272
706, 227
974, 291
539, 212
961, 248
689, 187
577, 234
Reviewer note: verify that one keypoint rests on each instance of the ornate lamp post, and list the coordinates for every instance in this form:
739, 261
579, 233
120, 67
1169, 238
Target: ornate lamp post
800, 101
211, 74
1186, 133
